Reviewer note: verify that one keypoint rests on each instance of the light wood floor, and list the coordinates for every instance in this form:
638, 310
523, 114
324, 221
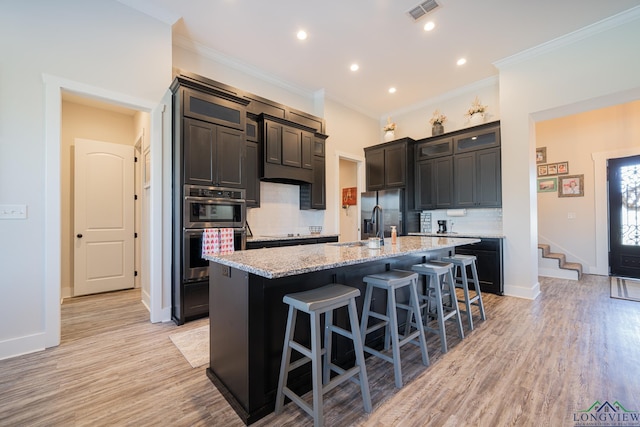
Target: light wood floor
531, 363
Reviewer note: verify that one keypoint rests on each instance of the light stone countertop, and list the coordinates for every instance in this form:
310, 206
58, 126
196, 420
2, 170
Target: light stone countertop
273, 263
462, 234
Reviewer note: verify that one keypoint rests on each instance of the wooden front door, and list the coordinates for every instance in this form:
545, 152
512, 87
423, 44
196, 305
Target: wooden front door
624, 216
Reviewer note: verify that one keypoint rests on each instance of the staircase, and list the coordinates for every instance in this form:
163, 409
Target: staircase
553, 264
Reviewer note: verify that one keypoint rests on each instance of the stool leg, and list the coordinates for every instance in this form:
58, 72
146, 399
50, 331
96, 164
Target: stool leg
286, 358
440, 311
415, 304
316, 370
326, 371
395, 341
357, 346
366, 307
476, 284
465, 289
452, 290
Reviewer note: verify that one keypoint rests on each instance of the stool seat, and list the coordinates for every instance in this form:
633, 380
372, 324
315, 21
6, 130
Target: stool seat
433, 267
390, 282
317, 302
321, 298
460, 258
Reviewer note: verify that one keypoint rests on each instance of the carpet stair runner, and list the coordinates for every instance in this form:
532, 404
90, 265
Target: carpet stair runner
562, 259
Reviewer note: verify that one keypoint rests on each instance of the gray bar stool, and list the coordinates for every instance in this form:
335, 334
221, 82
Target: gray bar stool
391, 281
317, 302
460, 264
440, 286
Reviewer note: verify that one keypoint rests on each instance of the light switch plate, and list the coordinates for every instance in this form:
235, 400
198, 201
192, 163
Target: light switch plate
13, 211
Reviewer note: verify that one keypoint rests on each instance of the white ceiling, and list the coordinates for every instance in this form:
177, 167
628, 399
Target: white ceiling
391, 49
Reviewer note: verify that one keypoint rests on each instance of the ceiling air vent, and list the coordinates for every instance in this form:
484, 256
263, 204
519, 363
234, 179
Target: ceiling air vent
422, 9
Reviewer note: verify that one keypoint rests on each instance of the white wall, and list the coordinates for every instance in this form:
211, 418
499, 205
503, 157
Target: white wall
574, 139
592, 69
414, 120
103, 44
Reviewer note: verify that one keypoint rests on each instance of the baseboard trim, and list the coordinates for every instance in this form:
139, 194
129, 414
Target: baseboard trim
522, 292
22, 345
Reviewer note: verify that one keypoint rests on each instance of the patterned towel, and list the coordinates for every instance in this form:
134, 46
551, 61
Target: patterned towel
226, 241
210, 242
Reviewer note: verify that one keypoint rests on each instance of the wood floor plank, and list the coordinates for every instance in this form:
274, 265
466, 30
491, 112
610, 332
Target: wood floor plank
531, 363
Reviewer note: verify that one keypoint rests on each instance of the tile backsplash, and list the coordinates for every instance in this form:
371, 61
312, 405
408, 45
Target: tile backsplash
279, 212
471, 220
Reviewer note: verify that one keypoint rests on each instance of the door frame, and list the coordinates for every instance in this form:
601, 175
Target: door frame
601, 196
54, 86
360, 180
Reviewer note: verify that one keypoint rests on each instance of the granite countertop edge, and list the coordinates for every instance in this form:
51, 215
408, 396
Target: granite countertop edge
273, 263
461, 234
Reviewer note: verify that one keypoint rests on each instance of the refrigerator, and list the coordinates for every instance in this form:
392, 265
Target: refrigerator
393, 207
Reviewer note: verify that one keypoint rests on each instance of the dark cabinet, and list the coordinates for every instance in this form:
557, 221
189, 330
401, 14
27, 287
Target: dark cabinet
290, 242
489, 263
314, 195
434, 183
213, 154
213, 109
477, 179
252, 168
390, 165
287, 145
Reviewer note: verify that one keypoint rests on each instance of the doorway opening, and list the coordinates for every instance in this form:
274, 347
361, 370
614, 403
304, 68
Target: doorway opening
350, 180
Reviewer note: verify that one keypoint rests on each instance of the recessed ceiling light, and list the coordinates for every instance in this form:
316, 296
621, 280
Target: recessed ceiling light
461, 61
392, 90
354, 67
302, 35
429, 26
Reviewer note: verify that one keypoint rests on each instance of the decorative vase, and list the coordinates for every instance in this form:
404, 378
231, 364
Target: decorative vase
476, 119
389, 135
437, 129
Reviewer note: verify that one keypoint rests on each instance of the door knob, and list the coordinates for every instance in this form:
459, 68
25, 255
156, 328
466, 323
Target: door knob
79, 236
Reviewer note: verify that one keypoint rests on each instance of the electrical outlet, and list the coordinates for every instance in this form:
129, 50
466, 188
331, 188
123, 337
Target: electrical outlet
13, 211
571, 215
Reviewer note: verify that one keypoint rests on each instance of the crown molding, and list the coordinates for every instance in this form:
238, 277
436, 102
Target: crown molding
214, 55
571, 38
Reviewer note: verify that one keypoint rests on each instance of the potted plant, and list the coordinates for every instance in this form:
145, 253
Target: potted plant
437, 123
476, 114
389, 130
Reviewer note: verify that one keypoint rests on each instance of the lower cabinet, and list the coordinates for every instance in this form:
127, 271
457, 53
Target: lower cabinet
290, 242
489, 262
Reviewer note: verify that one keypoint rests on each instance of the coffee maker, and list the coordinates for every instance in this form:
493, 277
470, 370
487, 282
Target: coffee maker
442, 226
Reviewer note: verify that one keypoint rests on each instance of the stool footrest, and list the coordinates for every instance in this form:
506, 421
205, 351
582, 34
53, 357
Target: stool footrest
344, 376
298, 400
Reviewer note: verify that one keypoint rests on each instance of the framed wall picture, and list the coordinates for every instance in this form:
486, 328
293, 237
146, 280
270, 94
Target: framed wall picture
552, 169
543, 170
571, 186
547, 185
563, 168
541, 155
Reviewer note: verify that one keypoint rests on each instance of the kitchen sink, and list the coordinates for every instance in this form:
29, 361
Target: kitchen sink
349, 244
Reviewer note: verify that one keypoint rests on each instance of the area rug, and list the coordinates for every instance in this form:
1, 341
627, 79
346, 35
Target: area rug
193, 344
622, 288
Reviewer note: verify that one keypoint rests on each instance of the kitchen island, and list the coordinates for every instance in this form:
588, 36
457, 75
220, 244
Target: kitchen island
248, 318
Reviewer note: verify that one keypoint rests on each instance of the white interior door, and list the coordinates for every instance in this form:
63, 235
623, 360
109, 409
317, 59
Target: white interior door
103, 217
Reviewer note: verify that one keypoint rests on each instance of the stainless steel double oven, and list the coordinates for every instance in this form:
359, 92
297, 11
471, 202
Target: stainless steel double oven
209, 207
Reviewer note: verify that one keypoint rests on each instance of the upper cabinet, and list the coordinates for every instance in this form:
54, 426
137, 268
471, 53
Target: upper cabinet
213, 155
213, 109
288, 150
314, 195
459, 170
390, 165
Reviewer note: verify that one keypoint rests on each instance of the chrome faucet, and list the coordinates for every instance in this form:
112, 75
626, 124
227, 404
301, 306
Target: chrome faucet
377, 209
